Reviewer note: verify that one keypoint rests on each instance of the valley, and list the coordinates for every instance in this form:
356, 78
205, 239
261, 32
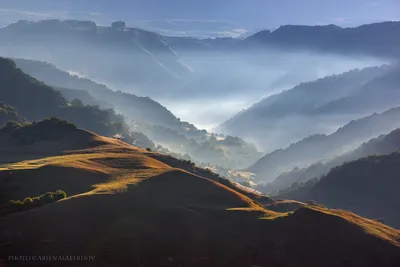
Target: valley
273, 148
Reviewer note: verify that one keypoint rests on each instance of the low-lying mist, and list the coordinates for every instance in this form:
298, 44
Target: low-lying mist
222, 84
214, 86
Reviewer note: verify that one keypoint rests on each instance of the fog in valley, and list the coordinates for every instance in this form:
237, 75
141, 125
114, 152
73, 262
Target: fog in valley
200, 133
221, 85
223, 102
213, 87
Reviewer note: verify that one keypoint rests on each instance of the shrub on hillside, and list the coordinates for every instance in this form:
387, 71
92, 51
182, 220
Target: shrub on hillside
10, 127
32, 202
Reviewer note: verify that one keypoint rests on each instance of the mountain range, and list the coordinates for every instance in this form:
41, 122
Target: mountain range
382, 145
91, 165
314, 106
322, 147
145, 53
376, 39
141, 114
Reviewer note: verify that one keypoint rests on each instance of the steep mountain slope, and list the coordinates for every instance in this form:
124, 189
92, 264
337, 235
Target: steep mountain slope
134, 209
324, 147
149, 117
141, 55
384, 144
35, 100
379, 39
26, 94
141, 109
367, 186
376, 94
286, 117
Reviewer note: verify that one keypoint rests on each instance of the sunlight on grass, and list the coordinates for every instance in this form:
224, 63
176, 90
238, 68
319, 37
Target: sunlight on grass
370, 226
266, 214
120, 183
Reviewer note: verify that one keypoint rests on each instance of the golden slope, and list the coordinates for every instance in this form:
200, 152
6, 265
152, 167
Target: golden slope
130, 209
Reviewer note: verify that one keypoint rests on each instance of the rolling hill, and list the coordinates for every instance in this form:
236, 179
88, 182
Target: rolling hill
375, 95
141, 109
35, 100
317, 148
132, 208
291, 115
382, 145
367, 186
147, 116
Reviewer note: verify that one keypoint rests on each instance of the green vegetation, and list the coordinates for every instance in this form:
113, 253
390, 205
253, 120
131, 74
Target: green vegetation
77, 103
9, 127
32, 202
8, 113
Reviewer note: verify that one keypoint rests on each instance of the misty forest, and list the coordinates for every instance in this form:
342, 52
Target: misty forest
137, 145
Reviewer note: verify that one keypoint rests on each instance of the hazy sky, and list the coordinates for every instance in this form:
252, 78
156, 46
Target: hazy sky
251, 14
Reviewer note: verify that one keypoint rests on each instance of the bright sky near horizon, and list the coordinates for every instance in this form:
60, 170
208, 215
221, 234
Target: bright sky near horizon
251, 14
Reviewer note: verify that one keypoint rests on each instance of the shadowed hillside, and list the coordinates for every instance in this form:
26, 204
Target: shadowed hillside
142, 109
293, 114
132, 208
35, 100
55, 137
317, 148
367, 186
150, 118
384, 144
26, 94
375, 95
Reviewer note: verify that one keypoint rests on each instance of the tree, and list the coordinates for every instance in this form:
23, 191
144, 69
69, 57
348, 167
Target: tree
77, 103
118, 25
